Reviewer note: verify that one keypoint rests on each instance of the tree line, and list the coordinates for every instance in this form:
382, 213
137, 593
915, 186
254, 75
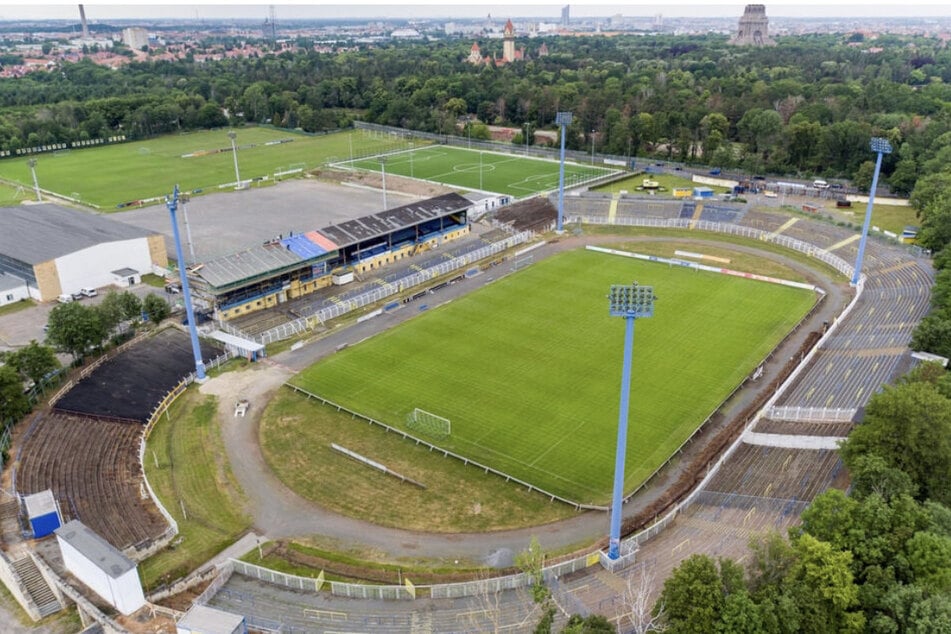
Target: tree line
807, 106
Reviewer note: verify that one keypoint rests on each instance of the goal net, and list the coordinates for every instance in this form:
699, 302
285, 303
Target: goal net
428, 423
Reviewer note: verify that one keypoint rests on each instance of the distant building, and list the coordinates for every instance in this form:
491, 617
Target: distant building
565, 17
508, 42
543, 50
135, 38
475, 54
754, 27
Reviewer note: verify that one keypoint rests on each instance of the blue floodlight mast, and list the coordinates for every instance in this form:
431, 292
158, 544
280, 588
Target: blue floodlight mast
172, 204
564, 120
880, 147
630, 301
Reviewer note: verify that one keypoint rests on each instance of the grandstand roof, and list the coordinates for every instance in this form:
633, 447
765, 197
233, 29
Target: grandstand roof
39, 233
291, 251
247, 264
94, 548
390, 220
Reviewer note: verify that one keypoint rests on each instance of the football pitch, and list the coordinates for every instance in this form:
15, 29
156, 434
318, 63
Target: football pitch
517, 176
528, 369
108, 176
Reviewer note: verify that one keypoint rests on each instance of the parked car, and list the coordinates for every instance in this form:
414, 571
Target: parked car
820, 184
173, 289
88, 292
65, 298
78, 296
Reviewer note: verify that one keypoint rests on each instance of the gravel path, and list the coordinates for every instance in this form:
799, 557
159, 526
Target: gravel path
279, 512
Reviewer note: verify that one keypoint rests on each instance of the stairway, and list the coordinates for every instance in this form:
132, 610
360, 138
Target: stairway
35, 584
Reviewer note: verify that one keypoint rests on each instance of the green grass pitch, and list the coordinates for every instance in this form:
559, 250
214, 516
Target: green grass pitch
109, 175
528, 368
511, 174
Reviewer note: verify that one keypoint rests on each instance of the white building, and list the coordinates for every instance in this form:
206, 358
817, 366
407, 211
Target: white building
135, 38
57, 250
105, 570
12, 289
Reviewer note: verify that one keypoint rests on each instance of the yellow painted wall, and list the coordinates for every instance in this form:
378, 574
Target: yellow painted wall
47, 280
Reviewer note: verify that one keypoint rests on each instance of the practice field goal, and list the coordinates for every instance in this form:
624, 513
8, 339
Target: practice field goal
428, 423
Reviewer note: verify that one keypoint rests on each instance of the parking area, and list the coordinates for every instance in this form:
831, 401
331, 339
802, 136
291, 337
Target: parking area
223, 223
17, 329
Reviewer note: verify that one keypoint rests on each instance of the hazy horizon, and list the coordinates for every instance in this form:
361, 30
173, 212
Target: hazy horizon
430, 9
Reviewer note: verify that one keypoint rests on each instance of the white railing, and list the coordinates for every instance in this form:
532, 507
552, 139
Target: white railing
379, 293
795, 414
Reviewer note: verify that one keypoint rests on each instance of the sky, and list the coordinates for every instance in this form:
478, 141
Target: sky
542, 10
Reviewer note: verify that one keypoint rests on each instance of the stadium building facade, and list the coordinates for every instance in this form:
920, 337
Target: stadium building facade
296, 265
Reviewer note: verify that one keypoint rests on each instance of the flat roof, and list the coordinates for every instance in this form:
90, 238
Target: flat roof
39, 233
385, 222
238, 342
94, 548
39, 504
201, 618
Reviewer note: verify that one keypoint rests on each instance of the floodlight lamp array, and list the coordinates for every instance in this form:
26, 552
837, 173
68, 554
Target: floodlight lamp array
631, 300
881, 145
563, 118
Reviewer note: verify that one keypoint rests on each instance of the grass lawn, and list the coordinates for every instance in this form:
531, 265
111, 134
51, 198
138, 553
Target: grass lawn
16, 307
186, 466
667, 181
12, 195
887, 217
527, 369
110, 175
517, 176
295, 439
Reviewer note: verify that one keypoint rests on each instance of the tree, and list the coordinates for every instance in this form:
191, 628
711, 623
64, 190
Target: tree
33, 361
75, 328
909, 426
13, 402
862, 178
592, 624
532, 563
823, 588
110, 310
155, 308
695, 594
131, 305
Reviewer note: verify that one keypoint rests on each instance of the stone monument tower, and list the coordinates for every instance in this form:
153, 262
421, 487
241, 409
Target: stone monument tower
508, 42
754, 27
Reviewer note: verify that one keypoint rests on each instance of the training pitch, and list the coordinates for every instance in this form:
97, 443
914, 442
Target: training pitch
528, 369
111, 176
517, 176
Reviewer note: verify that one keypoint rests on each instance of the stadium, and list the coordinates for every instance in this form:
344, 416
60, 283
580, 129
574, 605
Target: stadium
754, 464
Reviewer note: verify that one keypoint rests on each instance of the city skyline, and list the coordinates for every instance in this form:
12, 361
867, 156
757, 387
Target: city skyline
423, 9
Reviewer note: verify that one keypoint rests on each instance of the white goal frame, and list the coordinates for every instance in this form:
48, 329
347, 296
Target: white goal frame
429, 423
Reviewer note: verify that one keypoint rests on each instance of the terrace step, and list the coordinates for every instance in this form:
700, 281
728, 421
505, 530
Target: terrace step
37, 587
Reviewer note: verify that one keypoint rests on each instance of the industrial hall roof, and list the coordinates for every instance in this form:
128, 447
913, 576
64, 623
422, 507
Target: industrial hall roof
38, 233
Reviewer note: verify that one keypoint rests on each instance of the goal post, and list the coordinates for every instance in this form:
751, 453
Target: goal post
428, 423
